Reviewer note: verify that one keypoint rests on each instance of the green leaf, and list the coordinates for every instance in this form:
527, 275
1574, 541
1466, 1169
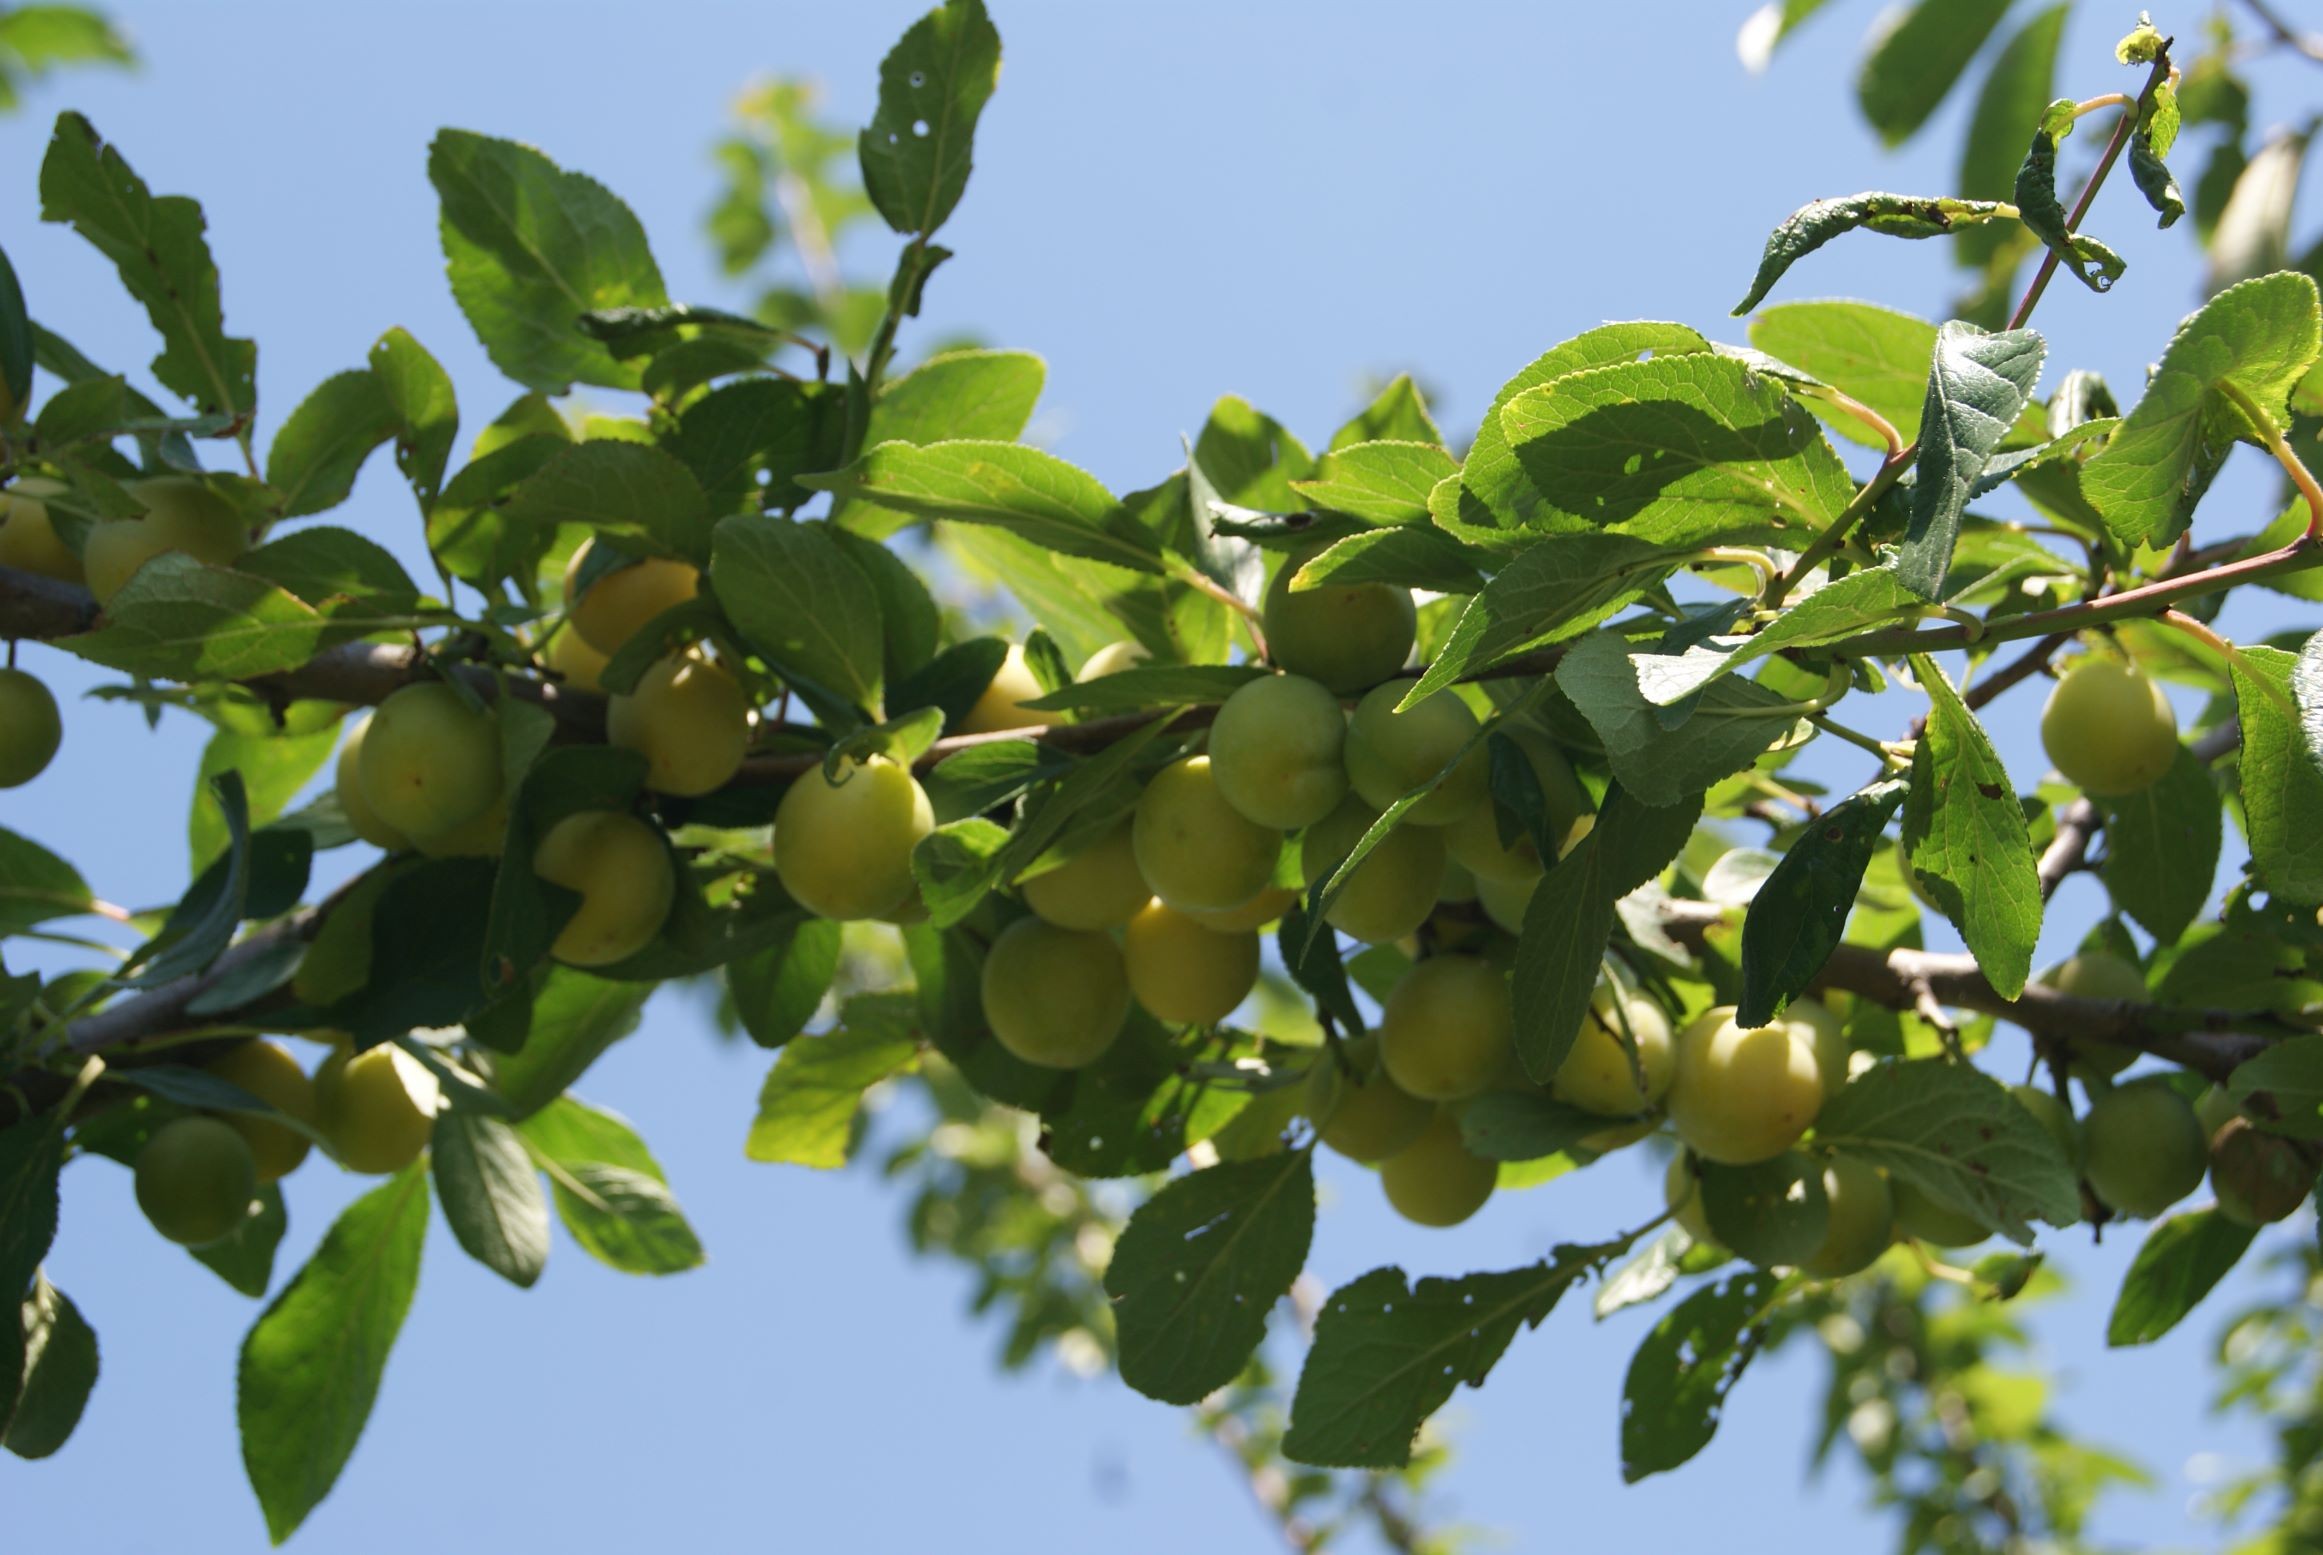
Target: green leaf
159, 248
2289, 1074
1200, 1267
1679, 1378
1914, 58
1032, 494
2182, 1260
179, 620
2161, 848
1873, 354
60, 1370
1978, 385
959, 394
1895, 215
531, 248
575, 1018
1865, 598
1556, 589
36, 885
1800, 912
1410, 555
932, 85
311, 1366
1966, 840
1524, 1125
1397, 414
1570, 918
1388, 1353
427, 413
2260, 336
274, 768
778, 987
610, 1191
2156, 129
1774, 1213
749, 442
2093, 264
1380, 483
31, 1155
45, 36
796, 596
1958, 1136
630, 492
2281, 781
2017, 87
330, 568
491, 1194
244, 1258
1148, 686
199, 928
317, 454
806, 1109
1730, 723
16, 347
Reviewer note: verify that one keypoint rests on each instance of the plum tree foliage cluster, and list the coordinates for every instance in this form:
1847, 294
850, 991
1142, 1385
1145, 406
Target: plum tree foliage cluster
1372, 800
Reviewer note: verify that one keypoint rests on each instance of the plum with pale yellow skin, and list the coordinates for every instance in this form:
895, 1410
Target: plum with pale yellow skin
194, 1180
1473, 837
1183, 973
616, 604
1276, 748
1436, 1180
268, 1071
1923, 1219
843, 848
349, 786
28, 538
2108, 728
1356, 1108
429, 761
570, 657
689, 719
622, 872
1264, 908
1112, 659
1446, 1030
1001, 703
1390, 753
1054, 997
1505, 901
377, 1108
1346, 635
1198, 852
1600, 1073
1742, 1096
181, 514
1390, 893
1820, 1027
2142, 1148
31, 729
1098, 887
1862, 1219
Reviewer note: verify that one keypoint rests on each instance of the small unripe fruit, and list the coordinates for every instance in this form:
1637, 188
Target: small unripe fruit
1001, 704
1183, 973
689, 719
2258, 1177
1817, 1025
622, 870
2099, 974
1054, 997
1392, 891
2142, 1148
30, 728
1390, 753
1348, 636
1599, 1074
360, 816
617, 604
1275, 751
1198, 852
1740, 1095
1097, 888
570, 657
194, 1180
1505, 901
1112, 659
1435, 1180
1682, 1192
429, 761
1357, 1109
181, 514
268, 1071
1447, 1031
377, 1108
844, 849
2108, 728
1924, 1220
1474, 836
1261, 910
1862, 1219
2052, 1115
28, 538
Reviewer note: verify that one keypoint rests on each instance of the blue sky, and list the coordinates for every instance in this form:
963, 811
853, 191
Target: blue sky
1275, 200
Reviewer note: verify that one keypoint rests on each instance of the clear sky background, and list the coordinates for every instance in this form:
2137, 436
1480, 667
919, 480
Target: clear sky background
1170, 203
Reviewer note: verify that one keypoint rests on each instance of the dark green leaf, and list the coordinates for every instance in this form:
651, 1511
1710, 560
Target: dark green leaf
36, 885
491, 1194
1555, 589
1978, 385
60, 1369
427, 414
2092, 263
575, 1018
1660, 759
201, 925
1524, 1125
329, 568
1678, 1380
179, 620
1800, 912
31, 1154
1150, 686
1966, 841
932, 85
1916, 56
2017, 87
1380, 483
796, 596
807, 1107
1416, 556
777, 987
1031, 494
2182, 1259
15, 338
749, 442
629, 492
244, 1259
1774, 1213
957, 866
316, 455
2289, 1075
1958, 1136
610, 1191
2282, 784
1895, 215
2161, 848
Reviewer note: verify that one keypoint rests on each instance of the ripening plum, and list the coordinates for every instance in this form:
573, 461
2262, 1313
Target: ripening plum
1436, 1180
844, 849
2100, 974
429, 761
194, 1180
31, 729
1357, 1109
1505, 901
571, 658
1446, 1030
2108, 728
1599, 1073
377, 1107
1390, 753
1740, 1095
1198, 852
1474, 836
1112, 659
1001, 704
1097, 888
1346, 635
1862, 1220
616, 605
1275, 751
1261, 910
622, 870
1459, 887
181, 514
1392, 891
1183, 973
2259, 1178
689, 719
1682, 1192
2216, 1107
1816, 1024
2142, 1148
268, 1071
349, 786
28, 538
1923, 1219
1054, 997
